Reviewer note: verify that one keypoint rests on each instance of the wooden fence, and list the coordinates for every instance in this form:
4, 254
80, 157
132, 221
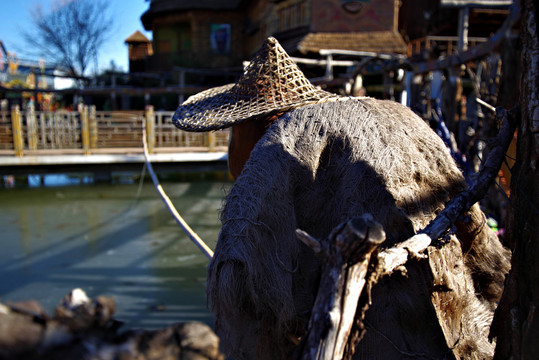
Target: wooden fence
89, 131
446, 45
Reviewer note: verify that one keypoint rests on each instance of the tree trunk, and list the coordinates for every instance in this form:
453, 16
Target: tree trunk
516, 323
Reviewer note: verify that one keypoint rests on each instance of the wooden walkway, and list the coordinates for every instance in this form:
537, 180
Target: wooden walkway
89, 137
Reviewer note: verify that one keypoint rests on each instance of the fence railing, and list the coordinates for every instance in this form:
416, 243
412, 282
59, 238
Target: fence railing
88, 131
446, 45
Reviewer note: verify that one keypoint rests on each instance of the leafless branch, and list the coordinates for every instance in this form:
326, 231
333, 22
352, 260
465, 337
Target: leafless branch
71, 34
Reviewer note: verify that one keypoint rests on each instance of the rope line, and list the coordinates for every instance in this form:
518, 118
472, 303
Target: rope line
177, 217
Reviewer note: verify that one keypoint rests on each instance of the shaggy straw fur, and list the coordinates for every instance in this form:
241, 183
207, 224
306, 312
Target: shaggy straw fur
316, 167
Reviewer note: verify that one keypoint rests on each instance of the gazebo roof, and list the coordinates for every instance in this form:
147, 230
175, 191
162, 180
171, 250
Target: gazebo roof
136, 37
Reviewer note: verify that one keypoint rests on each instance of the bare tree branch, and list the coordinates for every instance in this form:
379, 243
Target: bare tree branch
71, 34
464, 201
399, 254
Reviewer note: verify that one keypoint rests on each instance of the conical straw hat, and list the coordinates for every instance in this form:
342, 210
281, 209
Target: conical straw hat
272, 82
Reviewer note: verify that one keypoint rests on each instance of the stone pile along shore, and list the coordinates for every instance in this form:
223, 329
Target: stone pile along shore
84, 328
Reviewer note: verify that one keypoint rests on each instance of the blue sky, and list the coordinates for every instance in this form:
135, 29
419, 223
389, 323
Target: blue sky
15, 14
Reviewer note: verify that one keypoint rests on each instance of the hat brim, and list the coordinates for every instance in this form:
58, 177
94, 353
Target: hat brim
271, 83
221, 107
205, 110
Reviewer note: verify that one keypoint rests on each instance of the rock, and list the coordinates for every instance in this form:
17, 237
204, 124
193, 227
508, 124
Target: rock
20, 335
200, 339
84, 328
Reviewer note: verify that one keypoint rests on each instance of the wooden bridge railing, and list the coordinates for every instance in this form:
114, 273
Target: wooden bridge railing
446, 45
89, 131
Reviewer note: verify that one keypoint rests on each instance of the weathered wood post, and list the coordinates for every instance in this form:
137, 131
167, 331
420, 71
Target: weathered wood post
31, 128
17, 130
346, 255
42, 130
85, 130
150, 128
92, 125
211, 141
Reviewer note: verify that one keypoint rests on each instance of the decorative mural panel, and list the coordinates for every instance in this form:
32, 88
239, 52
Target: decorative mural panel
353, 6
220, 38
353, 16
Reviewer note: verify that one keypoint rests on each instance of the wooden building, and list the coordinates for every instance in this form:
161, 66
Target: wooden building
24, 82
433, 28
346, 44
219, 36
342, 25
203, 33
213, 34
140, 48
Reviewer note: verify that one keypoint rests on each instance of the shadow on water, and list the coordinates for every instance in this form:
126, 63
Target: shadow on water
96, 238
201, 190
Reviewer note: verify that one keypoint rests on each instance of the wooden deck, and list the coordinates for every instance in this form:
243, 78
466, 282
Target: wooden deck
89, 137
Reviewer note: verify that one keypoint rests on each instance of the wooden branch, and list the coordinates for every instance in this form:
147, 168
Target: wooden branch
397, 256
483, 179
349, 249
183, 224
392, 258
309, 240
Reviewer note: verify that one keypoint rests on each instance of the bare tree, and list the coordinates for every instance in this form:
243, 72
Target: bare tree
71, 34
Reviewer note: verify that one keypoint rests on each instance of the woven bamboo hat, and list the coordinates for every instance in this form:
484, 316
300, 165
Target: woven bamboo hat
271, 83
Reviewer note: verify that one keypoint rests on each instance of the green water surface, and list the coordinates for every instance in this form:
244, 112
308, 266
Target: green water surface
113, 240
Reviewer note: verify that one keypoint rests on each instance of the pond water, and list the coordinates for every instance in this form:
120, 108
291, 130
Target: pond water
115, 240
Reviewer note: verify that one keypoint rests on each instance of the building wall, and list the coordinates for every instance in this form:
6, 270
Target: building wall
187, 38
217, 38
197, 39
373, 15
291, 14
259, 23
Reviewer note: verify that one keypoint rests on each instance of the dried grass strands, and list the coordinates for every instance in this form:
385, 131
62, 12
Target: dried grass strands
345, 275
315, 168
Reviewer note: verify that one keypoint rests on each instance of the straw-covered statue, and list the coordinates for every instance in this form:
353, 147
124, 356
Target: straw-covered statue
308, 159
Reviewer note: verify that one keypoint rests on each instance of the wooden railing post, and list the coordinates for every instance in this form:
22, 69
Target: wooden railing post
31, 128
85, 130
17, 130
92, 124
150, 128
211, 141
